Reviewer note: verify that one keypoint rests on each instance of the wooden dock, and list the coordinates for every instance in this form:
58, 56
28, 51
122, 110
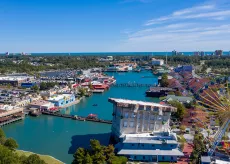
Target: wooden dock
11, 121
79, 118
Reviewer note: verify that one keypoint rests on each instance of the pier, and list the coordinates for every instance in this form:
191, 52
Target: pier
10, 121
79, 118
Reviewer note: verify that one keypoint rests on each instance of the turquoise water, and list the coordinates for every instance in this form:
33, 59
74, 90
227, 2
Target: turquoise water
60, 137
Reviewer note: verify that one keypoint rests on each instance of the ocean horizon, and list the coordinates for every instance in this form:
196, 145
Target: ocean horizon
111, 53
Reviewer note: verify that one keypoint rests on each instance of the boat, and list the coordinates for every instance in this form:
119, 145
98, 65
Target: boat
148, 68
92, 116
137, 70
94, 104
34, 113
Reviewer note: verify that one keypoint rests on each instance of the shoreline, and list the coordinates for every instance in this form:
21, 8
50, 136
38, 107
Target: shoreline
70, 104
41, 155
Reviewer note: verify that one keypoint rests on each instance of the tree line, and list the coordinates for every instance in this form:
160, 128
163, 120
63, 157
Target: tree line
97, 154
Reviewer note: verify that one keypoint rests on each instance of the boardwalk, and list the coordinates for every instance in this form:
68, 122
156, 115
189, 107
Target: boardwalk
11, 121
79, 118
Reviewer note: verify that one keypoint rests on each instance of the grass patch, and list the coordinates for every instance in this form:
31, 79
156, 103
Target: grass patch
46, 158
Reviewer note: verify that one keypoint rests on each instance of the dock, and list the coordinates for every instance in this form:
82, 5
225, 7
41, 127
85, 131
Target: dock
78, 118
11, 121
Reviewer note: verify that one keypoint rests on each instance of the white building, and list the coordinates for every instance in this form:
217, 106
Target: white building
157, 62
142, 131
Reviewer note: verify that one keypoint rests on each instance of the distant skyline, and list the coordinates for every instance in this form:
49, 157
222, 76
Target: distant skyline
114, 25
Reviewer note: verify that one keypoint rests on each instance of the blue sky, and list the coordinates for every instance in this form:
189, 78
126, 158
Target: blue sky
114, 25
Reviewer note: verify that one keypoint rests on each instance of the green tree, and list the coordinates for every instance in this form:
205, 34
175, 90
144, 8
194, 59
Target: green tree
34, 159
118, 160
35, 88
179, 114
11, 144
199, 147
164, 80
7, 156
79, 156
87, 159
82, 92
43, 86
97, 152
109, 152
2, 136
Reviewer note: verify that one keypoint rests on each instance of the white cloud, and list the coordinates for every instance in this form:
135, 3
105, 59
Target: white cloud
192, 10
204, 27
210, 11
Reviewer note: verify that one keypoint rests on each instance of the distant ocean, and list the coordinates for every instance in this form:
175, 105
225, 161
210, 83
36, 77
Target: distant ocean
112, 54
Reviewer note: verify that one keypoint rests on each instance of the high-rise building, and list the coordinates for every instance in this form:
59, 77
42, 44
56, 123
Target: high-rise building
142, 131
219, 52
202, 53
174, 52
197, 53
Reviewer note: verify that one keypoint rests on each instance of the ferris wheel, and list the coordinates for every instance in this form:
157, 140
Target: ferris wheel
215, 96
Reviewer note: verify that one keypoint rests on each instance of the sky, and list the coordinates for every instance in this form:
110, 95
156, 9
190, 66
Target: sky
114, 25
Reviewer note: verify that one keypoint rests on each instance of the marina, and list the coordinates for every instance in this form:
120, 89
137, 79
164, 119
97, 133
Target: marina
66, 133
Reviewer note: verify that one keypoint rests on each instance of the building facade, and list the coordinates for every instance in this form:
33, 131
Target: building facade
142, 131
62, 99
157, 62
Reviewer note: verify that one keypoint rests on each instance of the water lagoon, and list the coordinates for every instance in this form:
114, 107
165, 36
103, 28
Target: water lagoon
60, 137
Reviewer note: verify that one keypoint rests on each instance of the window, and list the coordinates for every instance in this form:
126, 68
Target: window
143, 157
132, 144
153, 145
156, 108
151, 126
142, 145
163, 157
171, 145
131, 124
126, 115
148, 108
135, 157
152, 117
171, 158
125, 123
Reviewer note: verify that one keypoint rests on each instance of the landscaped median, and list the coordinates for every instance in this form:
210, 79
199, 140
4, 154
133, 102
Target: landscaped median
48, 159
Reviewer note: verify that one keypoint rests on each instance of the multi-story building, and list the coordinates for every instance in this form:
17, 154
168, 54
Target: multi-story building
202, 53
62, 99
197, 53
219, 52
174, 52
14, 80
142, 131
157, 62
10, 114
